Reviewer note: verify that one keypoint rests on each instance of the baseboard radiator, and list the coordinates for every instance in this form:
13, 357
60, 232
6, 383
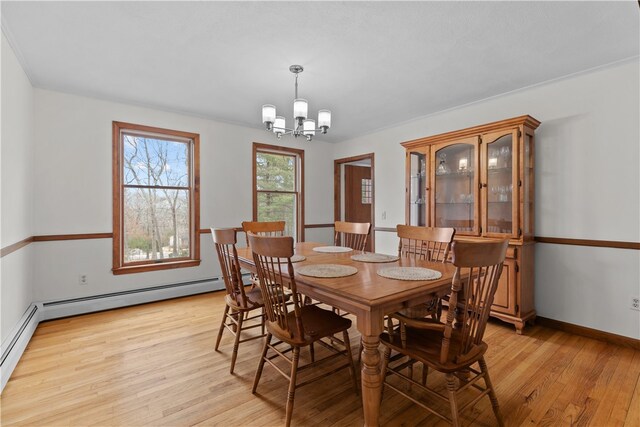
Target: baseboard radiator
14, 345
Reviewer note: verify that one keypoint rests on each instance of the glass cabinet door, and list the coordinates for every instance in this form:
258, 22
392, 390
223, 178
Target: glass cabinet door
417, 187
455, 177
499, 177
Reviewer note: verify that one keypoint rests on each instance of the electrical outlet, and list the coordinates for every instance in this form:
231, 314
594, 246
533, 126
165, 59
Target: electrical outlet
635, 303
384, 214
83, 279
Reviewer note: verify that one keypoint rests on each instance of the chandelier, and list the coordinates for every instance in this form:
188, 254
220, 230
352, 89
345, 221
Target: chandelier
302, 125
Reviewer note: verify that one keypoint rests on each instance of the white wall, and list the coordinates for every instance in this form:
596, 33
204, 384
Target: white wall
16, 170
587, 187
73, 189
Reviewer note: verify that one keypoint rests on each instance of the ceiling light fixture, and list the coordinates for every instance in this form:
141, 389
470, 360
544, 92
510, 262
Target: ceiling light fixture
302, 125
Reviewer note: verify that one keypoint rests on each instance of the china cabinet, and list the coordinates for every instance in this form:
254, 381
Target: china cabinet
480, 181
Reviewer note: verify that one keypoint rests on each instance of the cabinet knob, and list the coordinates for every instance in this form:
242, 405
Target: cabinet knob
483, 185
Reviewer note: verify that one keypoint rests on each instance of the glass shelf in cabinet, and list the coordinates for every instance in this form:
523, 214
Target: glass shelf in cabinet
457, 174
454, 203
495, 171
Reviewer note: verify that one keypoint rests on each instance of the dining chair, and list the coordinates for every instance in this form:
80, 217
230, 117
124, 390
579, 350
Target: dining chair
429, 244
453, 349
296, 325
351, 234
238, 303
263, 228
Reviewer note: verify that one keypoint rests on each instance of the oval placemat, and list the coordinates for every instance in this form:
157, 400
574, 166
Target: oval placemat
327, 270
294, 258
373, 257
409, 273
332, 249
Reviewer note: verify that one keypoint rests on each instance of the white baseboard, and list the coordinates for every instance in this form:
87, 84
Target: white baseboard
17, 341
76, 306
15, 344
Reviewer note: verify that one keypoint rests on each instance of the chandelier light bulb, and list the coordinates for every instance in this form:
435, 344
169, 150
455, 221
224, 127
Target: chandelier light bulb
279, 125
324, 120
309, 127
300, 108
268, 114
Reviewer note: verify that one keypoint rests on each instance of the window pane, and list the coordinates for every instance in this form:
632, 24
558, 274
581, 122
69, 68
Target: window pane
278, 207
275, 172
366, 194
152, 161
153, 218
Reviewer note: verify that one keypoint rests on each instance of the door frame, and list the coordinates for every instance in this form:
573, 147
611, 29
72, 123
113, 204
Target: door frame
337, 194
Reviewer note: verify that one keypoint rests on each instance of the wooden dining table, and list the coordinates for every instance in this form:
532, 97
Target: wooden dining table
369, 297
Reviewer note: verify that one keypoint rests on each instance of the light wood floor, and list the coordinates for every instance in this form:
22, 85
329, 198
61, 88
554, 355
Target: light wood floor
154, 364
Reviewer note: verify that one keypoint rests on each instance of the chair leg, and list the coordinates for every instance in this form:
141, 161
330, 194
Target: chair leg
451, 389
352, 367
292, 385
410, 373
425, 372
263, 321
492, 393
383, 372
312, 352
236, 343
224, 319
261, 363
235, 314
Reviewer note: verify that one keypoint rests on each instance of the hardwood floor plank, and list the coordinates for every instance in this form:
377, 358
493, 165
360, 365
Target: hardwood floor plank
155, 365
633, 415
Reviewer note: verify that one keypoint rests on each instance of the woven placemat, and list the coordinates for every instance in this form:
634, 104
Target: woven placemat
409, 273
332, 249
327, 270
294, 258
373, 257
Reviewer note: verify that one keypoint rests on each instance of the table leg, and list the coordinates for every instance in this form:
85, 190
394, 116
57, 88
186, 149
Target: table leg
371, 379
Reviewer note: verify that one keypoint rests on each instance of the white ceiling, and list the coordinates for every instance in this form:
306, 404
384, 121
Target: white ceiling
374, 64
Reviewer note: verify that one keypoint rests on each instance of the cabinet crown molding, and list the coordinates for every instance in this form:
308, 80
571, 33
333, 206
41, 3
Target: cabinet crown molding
525, 120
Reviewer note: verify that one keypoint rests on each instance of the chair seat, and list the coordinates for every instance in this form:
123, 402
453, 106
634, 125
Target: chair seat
254, 300
425, 346
422, 310
318, 323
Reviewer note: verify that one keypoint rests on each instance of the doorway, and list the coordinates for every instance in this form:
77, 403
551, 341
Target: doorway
354, 199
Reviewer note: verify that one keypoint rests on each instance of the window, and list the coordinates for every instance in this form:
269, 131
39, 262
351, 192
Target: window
366, 191
278, 190
155, 198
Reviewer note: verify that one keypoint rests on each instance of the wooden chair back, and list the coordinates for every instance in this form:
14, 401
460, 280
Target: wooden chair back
272, 257
431, 244
224, 240
352, 234
263, 228
478, 268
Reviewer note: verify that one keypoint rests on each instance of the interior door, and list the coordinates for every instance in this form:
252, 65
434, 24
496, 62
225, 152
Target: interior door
358, 196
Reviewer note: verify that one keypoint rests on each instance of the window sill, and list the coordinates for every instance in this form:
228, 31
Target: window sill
155, 266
